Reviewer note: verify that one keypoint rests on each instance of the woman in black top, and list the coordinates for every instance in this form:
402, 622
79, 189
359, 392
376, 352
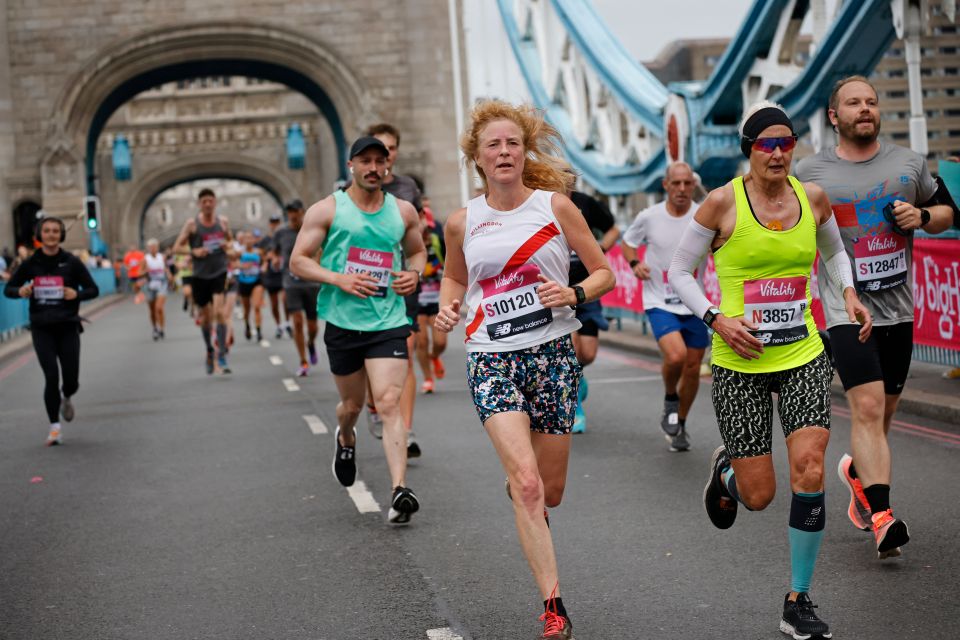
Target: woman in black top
55, 282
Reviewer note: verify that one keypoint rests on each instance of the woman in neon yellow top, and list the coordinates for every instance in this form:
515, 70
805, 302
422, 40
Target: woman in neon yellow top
765, 229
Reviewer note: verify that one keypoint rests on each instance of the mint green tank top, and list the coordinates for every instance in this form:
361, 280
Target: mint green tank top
370, 243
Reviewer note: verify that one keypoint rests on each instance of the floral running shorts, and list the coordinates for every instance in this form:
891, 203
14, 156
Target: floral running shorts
540, 381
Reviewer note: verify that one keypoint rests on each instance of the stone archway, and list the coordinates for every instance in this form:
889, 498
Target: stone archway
130, 218
121, 70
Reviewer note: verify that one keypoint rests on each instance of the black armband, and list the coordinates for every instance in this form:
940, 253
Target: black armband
942, 197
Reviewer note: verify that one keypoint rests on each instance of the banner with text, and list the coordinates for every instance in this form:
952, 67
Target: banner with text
628, 294
936, 293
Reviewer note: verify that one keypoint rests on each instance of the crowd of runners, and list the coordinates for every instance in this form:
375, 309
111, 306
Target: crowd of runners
522, 265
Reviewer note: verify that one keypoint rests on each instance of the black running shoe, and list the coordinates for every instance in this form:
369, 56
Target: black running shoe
680, 442
413, 448
210, 363
670, 420
801, 622
66, 409
344, 465
721, 507
403, 504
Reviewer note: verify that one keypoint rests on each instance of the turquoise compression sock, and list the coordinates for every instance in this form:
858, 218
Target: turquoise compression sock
807, 519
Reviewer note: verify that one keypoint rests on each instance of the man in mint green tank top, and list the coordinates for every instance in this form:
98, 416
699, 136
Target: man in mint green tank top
359, 234
765, 229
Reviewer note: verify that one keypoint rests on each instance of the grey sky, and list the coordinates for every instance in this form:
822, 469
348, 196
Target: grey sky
643, 27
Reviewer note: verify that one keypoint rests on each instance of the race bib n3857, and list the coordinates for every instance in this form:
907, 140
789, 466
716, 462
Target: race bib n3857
776, 306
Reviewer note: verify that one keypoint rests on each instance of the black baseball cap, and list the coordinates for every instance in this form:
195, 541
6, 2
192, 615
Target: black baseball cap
367, 142
294, 205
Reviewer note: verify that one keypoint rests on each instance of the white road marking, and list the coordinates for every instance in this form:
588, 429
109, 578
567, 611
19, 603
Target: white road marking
362, 497
265, 344
290, 384
276, 361
619, 380
316, 425
443, 634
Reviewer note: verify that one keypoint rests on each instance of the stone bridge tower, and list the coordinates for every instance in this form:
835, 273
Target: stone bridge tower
67, 67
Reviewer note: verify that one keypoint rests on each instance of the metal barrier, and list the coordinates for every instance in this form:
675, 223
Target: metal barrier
15, 314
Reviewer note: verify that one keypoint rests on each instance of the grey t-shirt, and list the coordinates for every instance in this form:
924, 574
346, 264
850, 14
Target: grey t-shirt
660, 232
283, 241
882, 259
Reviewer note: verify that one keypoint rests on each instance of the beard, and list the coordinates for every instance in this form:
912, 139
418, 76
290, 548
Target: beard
849, 130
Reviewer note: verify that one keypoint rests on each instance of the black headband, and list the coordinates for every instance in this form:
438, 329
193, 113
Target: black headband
755, 124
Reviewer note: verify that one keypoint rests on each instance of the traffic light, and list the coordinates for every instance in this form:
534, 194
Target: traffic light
91, 205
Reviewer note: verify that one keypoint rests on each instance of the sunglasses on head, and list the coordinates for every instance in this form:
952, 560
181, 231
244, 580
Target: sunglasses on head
768, 145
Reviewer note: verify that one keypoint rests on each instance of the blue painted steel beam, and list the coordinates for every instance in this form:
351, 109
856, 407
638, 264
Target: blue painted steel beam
603, 176
638, 90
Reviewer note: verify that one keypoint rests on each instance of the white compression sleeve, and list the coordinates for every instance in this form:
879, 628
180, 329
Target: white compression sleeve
694, 245
835, 258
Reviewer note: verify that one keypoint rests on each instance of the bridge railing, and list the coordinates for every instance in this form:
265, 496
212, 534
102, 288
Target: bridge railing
936, 285
15, 314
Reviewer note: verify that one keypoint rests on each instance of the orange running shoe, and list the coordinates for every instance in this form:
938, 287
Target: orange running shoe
427, 386
890, 534
859, 509
438, 368
556, 627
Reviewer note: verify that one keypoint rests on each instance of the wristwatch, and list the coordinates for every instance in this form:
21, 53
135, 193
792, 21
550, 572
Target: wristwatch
710, 316
924, 217
634, 263
581, 296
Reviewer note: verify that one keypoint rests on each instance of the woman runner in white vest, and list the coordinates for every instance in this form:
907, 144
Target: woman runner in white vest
508, 258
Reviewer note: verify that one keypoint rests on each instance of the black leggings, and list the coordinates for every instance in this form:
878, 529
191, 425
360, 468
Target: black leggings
58, 342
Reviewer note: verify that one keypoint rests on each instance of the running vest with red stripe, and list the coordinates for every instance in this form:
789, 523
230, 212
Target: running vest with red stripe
505, 251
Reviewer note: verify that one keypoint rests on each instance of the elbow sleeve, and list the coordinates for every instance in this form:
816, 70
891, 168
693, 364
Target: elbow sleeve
694, 245
835, 258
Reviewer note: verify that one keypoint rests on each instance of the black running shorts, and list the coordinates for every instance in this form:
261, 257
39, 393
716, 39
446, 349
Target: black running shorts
744, 404
347, 350
884, 356
246, 289
205, 288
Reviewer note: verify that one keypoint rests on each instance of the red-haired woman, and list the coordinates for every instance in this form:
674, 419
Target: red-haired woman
508, 258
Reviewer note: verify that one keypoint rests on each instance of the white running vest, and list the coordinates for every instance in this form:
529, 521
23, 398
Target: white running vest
505, 251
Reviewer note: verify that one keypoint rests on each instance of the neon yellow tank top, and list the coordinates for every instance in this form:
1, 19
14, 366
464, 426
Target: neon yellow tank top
764, 275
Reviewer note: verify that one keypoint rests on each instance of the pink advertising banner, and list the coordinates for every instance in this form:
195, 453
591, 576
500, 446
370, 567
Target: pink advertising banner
936, 290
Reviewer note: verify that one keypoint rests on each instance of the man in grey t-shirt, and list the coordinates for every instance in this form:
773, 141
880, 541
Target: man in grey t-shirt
880, 194
300, 297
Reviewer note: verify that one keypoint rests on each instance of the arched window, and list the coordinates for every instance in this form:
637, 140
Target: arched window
254, 209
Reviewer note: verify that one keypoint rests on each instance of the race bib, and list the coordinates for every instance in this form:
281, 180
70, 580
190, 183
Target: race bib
669, 295
48, 289
157, 278
880, 261
251, 269
213, 241
776, 306
511, 305
376, 264
429, 293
